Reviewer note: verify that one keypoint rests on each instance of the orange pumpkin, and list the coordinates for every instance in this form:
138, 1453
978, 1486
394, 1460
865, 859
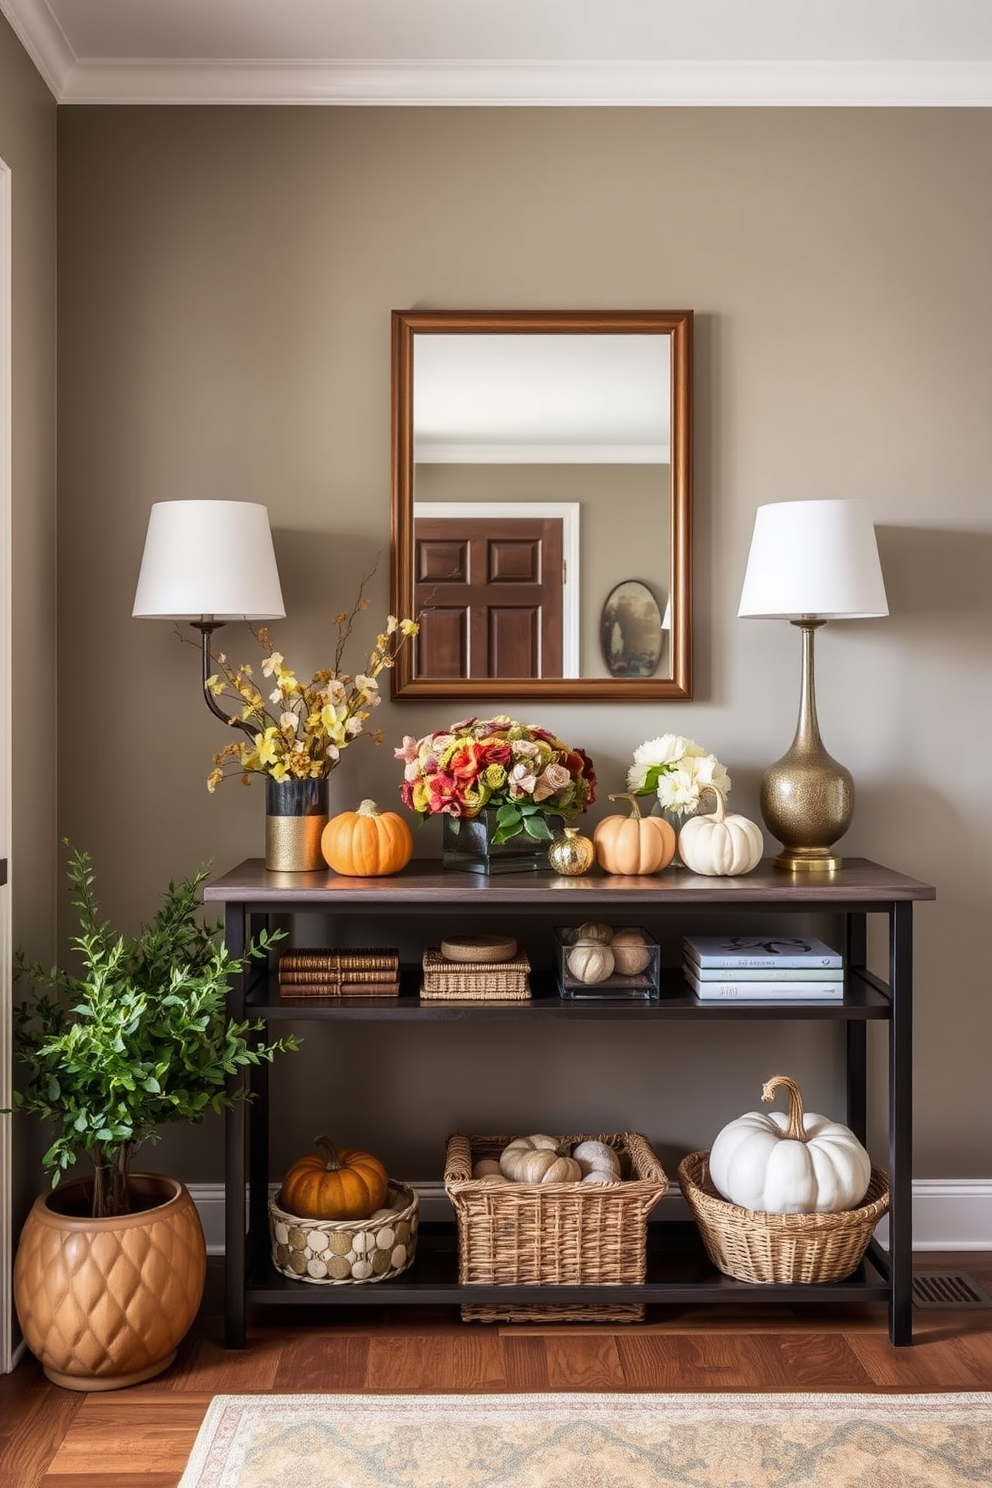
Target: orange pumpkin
367, 843
633, 844
334, 1183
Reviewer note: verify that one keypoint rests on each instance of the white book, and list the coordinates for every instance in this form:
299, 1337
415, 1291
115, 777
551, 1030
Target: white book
777, 991
757, 952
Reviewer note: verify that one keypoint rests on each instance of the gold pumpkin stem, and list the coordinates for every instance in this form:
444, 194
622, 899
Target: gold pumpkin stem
332, 1163
796, 1129
368, 808
635, 814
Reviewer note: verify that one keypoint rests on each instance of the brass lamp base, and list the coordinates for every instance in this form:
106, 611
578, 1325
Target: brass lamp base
807, 798
807, 860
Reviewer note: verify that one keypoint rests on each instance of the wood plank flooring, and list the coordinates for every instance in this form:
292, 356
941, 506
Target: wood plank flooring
141, 1437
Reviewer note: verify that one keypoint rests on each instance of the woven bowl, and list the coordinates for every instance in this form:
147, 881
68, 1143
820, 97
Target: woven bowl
752, 1246
346, 1252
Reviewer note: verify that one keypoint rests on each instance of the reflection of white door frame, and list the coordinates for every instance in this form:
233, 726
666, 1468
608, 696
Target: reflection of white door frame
6, 996
567, 512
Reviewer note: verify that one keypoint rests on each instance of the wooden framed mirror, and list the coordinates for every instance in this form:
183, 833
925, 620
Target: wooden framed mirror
539, 459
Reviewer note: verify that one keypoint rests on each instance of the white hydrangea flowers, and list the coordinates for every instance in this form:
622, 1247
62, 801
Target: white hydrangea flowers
675, 769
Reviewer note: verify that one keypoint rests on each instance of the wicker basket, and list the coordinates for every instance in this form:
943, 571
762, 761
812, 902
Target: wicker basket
553, 1233
346, 1252
752, 1246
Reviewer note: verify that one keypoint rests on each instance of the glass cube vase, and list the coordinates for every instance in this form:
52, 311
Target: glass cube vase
467, 844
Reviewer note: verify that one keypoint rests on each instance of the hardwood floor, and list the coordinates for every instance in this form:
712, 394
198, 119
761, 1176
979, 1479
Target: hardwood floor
140, 1437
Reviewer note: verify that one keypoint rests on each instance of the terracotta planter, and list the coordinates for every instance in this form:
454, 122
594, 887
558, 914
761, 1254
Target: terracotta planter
104, 1303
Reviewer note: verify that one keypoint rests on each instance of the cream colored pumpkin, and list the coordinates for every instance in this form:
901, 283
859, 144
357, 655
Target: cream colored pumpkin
598, 1161
590, 961
538, 1159
789, 1163
719, 845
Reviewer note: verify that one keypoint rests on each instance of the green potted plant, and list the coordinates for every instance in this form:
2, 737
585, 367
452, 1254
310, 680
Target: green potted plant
110, 1267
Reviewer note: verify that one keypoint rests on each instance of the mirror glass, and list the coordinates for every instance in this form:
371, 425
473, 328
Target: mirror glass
541, 473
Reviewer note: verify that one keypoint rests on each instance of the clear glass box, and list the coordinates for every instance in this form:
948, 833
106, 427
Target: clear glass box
636, 975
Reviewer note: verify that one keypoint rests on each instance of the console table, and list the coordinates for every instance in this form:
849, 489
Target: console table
249, 895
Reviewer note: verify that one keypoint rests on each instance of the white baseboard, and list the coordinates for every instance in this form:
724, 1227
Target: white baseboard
948, 1213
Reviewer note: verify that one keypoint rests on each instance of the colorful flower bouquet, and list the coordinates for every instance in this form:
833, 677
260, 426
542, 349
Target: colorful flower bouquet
524, 772
675, 769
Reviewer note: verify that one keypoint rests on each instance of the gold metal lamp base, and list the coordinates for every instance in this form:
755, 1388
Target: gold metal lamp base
807, 798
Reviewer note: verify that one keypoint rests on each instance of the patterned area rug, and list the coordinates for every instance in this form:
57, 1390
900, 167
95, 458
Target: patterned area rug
594, 1441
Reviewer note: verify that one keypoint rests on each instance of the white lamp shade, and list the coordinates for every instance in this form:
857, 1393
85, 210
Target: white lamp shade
208, 558
813, 558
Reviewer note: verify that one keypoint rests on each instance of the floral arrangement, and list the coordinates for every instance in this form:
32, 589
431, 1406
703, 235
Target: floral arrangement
524, 771
302, 727
675, 769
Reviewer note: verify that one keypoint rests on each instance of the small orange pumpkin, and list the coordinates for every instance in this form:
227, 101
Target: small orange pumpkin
367, 843
334, 1183
633, 844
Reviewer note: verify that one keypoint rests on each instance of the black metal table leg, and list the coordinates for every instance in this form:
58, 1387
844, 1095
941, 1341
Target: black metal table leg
901, 1124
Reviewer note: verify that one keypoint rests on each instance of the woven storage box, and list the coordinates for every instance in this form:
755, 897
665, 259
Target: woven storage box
343, 1252
475, 981
752, 1246
564, 1233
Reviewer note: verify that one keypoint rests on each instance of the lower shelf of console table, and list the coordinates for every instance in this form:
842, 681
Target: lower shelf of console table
679, 1273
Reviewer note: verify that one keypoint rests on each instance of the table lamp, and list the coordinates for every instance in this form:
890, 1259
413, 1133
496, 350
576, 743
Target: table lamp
208, 562
810, 562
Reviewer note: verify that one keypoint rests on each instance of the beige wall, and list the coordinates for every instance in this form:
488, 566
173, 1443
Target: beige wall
27, 148
226, 278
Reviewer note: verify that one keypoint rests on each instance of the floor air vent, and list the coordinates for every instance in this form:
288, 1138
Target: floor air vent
948, 1289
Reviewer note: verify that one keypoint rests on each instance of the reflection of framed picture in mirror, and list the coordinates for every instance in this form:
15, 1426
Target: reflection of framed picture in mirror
631, 631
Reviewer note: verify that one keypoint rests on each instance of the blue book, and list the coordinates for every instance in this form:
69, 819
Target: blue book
731, 952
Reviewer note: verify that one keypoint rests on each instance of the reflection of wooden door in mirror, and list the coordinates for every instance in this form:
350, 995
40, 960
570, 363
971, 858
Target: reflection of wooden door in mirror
538, 409
489, 597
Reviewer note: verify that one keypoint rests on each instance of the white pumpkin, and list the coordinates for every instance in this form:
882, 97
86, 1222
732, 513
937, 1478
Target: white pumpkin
789, 1163
538, 1159
719, 845
598, 1161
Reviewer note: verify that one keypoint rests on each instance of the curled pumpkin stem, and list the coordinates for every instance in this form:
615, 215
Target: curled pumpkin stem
796, 1129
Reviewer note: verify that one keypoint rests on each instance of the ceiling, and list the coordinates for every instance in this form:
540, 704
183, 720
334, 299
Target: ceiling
512, 52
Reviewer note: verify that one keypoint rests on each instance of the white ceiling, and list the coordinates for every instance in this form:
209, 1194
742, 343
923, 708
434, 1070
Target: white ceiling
506, 52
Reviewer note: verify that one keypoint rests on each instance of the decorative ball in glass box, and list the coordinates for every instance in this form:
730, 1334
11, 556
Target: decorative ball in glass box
604, 961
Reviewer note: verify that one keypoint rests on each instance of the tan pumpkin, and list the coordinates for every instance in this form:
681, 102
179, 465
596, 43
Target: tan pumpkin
334, 1183
591, 961
719, 845
538, 1159
631, 952
634, 844
594, 930
367, 843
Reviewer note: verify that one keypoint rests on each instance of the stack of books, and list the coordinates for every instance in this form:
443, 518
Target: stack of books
747, 968
357, 972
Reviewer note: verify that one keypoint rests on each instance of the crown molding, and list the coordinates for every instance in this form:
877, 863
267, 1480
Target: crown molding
36, 29
646, 84
564, 84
